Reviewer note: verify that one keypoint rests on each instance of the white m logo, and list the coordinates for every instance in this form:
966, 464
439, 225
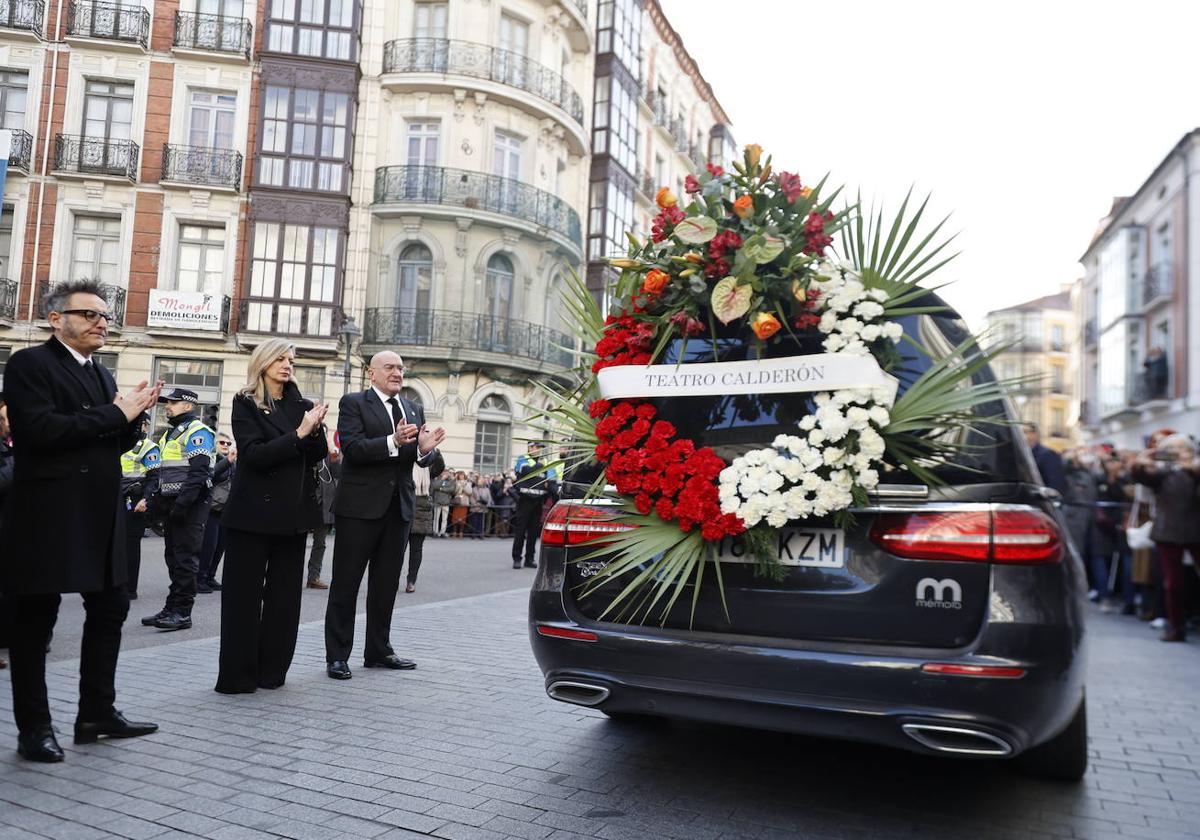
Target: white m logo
939, 589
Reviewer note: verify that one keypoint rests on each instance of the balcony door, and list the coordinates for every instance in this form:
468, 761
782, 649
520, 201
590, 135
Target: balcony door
506, 166
107, 126
422, 181
514, 46
499, 292
414, 284
211, 118
226, 31
14, 87
429, 29
96, 249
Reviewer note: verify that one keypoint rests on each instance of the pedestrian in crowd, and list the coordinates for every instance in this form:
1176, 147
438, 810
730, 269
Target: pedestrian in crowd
382, 436
481, 500
213, 546
1173, 473
63, 528
443, 497
1049, 462
6, 477
330, 475
273, 504
139, 483
534, 486
1114, 493
1079, 510
422, 523
460, 505
186, 451
503, 502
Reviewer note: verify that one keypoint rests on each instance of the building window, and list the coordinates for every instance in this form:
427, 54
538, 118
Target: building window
493, 433
1058, 379
6, 229
108, 110
1058, 341
430, 20
412, 396
310, 379
201, 259
306, 130
14, 92
423, 141
611, 215
297, 266
414, 277
618, 27
614, 122
96, 249
5, 353
318, 28
211, 117
203, 377
499, 292
1058, 422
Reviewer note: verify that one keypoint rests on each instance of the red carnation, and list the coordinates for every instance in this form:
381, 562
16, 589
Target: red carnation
791, 186
691, 185
715, 170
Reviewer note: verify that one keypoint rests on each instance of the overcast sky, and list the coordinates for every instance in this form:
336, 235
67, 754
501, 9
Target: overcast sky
1023, 119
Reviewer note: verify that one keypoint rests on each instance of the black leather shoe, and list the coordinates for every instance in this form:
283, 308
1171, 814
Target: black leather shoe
174, 621
149, 620
214, 585
203, 589
339, 670
39, 745
531, 565
517, 564
391, 661
114, 726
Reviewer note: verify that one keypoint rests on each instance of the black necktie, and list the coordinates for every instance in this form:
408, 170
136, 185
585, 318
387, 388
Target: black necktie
397, 414
91, 368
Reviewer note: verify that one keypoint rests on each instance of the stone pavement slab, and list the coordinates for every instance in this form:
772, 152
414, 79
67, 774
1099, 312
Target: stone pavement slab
468, 747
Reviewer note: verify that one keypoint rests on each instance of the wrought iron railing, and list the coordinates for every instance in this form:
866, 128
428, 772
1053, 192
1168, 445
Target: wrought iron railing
96, 156
1091, 332
470, 331
215, 33
648, 186
679, 132
288, 317
1146, 386
658, 107
1158, 283
26, 15
114, 295
109, 21
476, 190
20, 150
696, 153
202, 165
8, 299
466, 58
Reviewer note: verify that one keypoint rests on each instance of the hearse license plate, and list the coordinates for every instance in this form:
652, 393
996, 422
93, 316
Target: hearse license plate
823, 548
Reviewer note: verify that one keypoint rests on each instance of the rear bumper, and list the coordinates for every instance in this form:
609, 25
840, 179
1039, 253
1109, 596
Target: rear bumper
869, 697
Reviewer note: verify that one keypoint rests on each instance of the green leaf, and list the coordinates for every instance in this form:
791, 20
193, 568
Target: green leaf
696, 230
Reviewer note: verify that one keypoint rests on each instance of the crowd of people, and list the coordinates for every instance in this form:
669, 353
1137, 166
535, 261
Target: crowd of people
1134, 518
82, 479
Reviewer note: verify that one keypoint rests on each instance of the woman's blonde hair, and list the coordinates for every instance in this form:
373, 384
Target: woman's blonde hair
261, 359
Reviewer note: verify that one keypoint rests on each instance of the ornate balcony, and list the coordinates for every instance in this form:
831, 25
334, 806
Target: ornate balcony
476, 191
78, 155
480, 61
648, 186
1091, 331
214, 33
1159, 284
468, 331
658, 107
109, 22
201, 165
8, 299
20, 151
115, 295
23, 15
288, 317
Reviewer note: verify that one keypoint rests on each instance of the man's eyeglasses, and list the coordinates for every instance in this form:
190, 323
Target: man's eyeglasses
92, 316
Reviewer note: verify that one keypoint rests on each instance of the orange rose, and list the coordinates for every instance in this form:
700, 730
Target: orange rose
744, 206
655, 281
665, 198
765, 325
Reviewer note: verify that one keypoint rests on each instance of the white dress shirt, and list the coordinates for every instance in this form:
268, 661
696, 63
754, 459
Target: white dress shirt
393, 449
79, 357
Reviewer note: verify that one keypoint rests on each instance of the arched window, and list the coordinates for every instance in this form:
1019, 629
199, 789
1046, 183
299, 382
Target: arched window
414, 278
493, 435
499, 292
411, 395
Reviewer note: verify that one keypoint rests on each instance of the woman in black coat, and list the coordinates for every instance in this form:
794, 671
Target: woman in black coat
272, 506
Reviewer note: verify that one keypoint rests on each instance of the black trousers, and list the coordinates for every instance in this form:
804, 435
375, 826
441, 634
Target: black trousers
362, 544
527, 526
316, 560
416, 553
135, 528
33, 620
184, 537
211, 548
260, 609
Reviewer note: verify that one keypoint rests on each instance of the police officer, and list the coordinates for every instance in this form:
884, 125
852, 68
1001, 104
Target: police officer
532, 492
186, 453
139, 483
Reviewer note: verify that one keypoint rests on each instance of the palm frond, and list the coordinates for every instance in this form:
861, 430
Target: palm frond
884, 254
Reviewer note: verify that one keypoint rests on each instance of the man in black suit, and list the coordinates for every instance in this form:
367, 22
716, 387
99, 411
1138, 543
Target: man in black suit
1049, 462
63, 527
382, 435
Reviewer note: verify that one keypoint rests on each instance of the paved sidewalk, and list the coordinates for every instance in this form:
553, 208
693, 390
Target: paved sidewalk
468, 746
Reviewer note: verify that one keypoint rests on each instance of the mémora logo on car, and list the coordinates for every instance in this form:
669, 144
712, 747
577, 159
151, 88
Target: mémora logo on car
933, 593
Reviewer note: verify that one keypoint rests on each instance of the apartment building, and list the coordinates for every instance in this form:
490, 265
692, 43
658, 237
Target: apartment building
1139, 308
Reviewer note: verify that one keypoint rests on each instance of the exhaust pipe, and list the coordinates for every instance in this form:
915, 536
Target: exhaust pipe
579, 693
957, 740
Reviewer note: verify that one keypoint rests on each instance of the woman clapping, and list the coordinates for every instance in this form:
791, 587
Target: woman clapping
272, 506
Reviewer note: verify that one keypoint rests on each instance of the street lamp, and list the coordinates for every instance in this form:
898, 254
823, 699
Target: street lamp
349, 332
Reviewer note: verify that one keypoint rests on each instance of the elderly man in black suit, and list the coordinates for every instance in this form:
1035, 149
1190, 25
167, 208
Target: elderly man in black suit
382, 435
63, 528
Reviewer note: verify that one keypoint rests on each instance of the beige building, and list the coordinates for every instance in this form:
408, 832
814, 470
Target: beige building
1038, 334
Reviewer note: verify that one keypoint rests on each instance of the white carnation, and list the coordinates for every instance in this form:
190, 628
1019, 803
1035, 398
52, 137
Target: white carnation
893, 331
828, 322
816, 437
880, 416
833, 455
879, 295
871, 332
808, 423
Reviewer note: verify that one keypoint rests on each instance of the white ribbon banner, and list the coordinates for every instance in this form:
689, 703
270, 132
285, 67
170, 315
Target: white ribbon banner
792, 374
